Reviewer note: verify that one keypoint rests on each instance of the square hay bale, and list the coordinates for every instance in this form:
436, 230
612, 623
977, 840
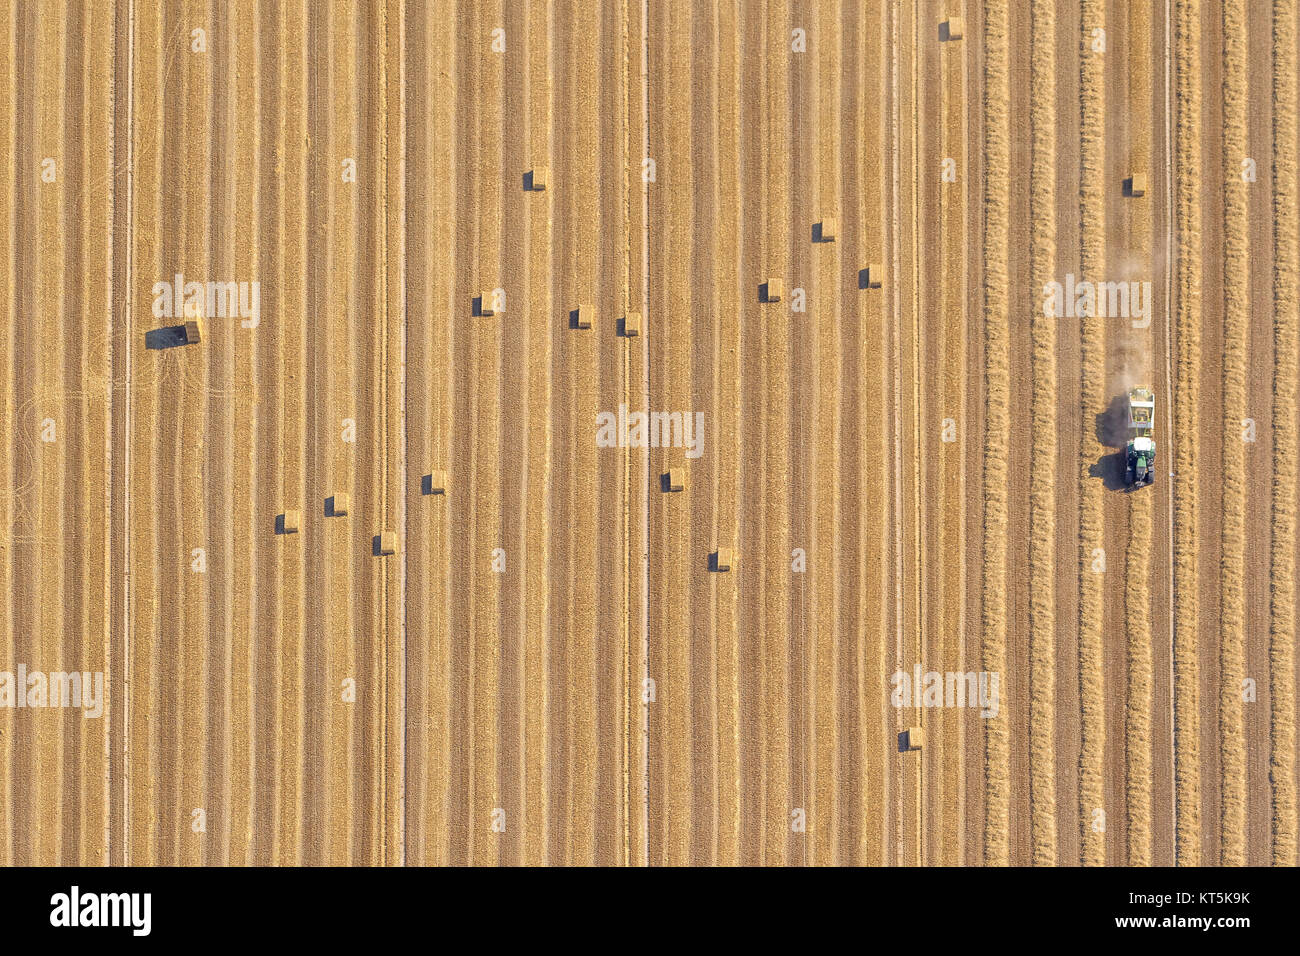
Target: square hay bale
632, 324
774, 290
830, 226
875, 275
340, 504
1137, 185
484, 302
956, 27
726, 557
387, 542
586, 315
540, 175
676, 479
914, 738
437, 483
291, 522
193, 331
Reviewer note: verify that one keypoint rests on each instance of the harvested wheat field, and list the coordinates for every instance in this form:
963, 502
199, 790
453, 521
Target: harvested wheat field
644, 432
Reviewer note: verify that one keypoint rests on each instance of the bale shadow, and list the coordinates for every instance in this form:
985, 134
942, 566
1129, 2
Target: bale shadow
763, 296
902, 742
817, 233
426, 486
169, 337
944, 35
279, 525
329, 509
573, 318
528, 181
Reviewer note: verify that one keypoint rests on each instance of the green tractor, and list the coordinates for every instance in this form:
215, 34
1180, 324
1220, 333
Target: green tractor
1140, 455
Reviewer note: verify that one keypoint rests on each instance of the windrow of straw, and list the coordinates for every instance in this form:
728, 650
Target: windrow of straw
1286, 372
1092, 97
1236, 333
1042, 493
1187, 319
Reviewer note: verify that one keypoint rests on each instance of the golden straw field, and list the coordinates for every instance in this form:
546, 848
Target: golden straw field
637, 433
